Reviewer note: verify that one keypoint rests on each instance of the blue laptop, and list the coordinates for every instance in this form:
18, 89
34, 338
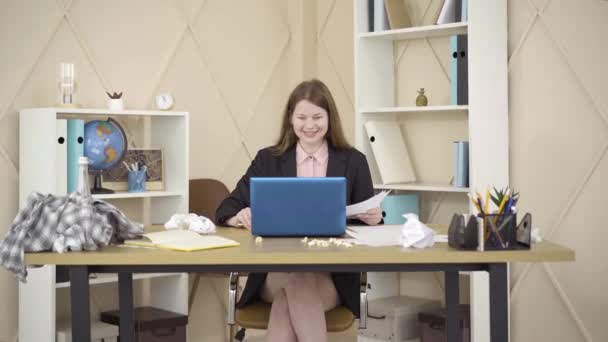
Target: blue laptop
298, 206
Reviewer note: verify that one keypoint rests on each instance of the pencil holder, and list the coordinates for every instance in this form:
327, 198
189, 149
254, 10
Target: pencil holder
136, 181
500, 231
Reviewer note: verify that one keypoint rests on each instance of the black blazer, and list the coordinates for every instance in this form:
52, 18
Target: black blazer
341, 163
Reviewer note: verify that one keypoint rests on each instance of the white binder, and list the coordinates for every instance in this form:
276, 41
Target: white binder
390, 152
62, 157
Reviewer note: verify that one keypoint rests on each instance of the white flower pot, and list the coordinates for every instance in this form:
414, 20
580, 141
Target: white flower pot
116, 104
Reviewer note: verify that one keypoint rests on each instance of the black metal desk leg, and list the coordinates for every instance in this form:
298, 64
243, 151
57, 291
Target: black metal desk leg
452, 300
125, 298
79, 294
499, 303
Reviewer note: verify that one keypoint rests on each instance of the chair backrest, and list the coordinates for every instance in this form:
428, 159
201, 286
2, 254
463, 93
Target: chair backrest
205, 196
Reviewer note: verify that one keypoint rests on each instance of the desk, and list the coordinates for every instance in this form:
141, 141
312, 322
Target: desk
290, 255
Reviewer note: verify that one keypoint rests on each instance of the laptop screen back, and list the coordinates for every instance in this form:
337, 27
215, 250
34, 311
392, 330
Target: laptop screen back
298, 206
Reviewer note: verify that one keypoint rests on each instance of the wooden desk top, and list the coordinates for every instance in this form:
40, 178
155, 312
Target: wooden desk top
291, 251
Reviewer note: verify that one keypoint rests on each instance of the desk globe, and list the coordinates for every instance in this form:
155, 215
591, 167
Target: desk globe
105, 145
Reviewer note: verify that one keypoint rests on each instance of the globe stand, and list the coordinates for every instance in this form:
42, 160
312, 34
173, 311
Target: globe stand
97, 188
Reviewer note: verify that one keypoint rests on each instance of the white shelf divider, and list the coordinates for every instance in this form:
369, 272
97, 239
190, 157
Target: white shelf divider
102, 111
391, 110
418, 32
106, 278
428, 187
146, 194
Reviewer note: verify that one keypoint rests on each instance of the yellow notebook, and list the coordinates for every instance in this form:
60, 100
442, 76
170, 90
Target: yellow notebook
182, 240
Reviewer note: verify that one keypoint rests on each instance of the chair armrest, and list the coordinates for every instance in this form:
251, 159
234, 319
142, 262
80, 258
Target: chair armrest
232, 289
363, 301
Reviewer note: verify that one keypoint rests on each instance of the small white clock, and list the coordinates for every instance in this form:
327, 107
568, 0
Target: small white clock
164, 101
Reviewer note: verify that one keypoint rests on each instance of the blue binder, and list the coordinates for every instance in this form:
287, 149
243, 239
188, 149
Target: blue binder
75, 138
394, 206
461, 164
459, 70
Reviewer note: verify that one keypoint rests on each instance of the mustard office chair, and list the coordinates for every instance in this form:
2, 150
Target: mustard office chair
256, 315
204, 198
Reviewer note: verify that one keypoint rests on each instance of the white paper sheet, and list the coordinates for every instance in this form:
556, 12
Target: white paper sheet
361, 207
383, 235
376, 236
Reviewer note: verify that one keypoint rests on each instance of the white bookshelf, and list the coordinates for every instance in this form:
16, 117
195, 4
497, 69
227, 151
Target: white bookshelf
486, 112
167, 130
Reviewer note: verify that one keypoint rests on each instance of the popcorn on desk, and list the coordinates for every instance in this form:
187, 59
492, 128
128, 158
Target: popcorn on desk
258, 240
326, 243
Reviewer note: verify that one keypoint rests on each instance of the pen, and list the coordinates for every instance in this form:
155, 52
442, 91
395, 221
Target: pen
509, 204
487, 201
504, 200
501, 206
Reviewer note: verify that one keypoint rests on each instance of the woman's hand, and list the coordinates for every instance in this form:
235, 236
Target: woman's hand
242, 218
372, 217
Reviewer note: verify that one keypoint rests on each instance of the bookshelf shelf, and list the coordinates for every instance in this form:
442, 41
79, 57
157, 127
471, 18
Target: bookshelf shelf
405, 110
103, 278
147, 194
421, 187
418, 32
70, 112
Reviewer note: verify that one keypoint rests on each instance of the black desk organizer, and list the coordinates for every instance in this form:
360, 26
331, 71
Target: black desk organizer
500, 232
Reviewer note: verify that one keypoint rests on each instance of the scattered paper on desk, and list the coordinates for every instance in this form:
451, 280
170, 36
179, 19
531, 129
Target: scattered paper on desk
416, 234
182, 240
362, 207
376, 236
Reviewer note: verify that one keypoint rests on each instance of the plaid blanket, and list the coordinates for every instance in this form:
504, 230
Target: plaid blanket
62, 223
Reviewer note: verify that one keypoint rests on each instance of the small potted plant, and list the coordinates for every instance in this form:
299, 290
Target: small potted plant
115, 102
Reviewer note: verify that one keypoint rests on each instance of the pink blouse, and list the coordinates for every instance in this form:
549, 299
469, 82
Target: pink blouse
314, 165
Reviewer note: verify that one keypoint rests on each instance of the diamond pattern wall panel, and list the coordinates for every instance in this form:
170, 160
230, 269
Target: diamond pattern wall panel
580, 31
129, 53
584, 229
8, 285
336, 25
538, 313
542, 154
190, 79
243, 57
16, 27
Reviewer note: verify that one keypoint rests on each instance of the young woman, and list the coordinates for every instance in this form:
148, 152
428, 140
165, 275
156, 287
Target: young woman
311, 144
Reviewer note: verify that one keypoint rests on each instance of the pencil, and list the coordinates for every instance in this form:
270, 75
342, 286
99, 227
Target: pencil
487, 201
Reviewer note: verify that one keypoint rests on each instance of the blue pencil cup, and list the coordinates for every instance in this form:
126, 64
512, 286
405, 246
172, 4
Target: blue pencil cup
137, 181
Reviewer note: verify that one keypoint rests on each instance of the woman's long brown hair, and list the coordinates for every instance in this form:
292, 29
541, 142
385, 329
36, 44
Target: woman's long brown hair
317, 93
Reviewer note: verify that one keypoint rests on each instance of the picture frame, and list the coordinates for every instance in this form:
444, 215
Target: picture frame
116, 178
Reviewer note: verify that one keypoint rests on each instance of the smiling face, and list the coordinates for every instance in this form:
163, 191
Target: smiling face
310, 123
